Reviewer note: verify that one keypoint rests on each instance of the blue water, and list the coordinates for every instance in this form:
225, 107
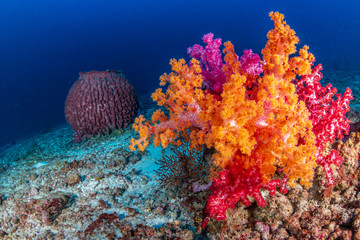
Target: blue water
44, 44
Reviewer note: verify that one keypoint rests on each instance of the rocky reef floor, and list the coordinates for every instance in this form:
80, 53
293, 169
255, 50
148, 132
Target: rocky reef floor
51, 188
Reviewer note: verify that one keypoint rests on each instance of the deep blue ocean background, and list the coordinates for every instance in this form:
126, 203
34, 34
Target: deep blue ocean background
45, 44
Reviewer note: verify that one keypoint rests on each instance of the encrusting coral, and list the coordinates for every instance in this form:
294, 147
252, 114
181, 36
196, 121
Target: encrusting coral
248, 110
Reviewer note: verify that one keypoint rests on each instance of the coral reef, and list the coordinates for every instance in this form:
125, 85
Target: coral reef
118, 196
100, 102
249, 122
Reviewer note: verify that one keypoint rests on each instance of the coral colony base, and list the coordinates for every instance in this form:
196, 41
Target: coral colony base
252, 148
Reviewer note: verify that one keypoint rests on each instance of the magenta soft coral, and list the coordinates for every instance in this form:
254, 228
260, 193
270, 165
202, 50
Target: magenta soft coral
251, 63
327, 116
211, 61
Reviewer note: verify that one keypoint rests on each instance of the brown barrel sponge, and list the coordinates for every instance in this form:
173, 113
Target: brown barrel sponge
100, 102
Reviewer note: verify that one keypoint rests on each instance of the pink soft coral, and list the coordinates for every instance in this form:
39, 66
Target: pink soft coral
211, 62
251, 63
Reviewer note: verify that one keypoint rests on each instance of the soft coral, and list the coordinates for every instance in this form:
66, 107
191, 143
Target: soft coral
237, 183
326, 114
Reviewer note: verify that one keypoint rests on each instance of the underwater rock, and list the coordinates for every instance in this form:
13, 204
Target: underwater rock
72, 178
45, 209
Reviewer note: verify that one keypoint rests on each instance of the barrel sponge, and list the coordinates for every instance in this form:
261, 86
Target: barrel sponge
100, 102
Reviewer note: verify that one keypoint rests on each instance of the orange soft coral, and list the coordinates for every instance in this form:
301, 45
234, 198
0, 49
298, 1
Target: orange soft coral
287, 130
257, 119
264, 132
280, 45
184, 99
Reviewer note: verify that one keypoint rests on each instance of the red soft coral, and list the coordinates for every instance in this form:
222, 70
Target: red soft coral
327, 115
237, 183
